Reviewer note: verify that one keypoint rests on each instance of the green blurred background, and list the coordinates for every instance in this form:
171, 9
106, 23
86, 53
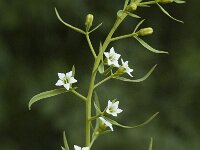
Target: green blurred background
34, 46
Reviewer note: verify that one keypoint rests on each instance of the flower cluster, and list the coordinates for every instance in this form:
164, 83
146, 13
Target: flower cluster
112, 109
112, 59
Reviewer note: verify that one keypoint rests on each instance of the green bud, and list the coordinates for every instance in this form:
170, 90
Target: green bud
88, 21
120, 71
164, 1
131, 7
145, 31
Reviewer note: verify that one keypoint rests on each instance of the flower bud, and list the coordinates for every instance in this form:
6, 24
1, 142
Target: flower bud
164, 1
120, 71
131, 7
88, 21
145, 31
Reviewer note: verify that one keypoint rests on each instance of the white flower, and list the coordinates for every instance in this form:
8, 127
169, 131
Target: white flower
126, 67
65, 80
107, 123
113, 109
112, 57
79, 148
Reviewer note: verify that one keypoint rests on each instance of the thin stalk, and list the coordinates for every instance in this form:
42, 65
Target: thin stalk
90, 44
123, 37
102, 81
79, 95
147, 3
93, 76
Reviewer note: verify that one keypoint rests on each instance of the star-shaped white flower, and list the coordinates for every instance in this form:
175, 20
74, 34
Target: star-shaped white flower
79, 148
107, 123
113, 109
126, 67
112, 57
66, 80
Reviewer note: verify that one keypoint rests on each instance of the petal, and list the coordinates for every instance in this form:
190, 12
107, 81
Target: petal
67, 86
106, 54
116, 64
69, 74
112, 50
117, 56
114, 114
130, 74
109, 62
72, 80
119, 111
85, 148
77, 147
109, 103
122, 62
61, 76
59, 83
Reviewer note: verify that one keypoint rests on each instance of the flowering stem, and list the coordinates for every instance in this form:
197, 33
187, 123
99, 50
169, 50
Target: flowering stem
147, 3
104, 80
90, 44
79, 95
94, 71
123, 37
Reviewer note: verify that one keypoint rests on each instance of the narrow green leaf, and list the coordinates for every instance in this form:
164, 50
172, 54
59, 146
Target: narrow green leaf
125, 4
147, 46
62, 148
137, 80
132, 15
96, 100
101, 68
132, 127
68, 25
73, 70
46, 94
165, 12
65, 141
151, 144
179, 1
96, 28
138, 25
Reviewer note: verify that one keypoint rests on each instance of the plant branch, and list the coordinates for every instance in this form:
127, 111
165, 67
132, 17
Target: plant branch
79, 95
123, 37
90, 45
102, 81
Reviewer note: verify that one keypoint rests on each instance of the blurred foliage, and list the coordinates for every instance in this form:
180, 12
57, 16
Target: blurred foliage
34, 46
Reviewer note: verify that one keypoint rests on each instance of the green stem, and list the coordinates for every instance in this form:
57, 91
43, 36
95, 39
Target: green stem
123, 37
79, 95
90, 44
93, 76
104, 80
147, 3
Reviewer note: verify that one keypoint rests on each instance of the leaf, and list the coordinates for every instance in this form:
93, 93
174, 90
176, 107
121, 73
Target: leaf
151, 144
125, 4
147, 46
62, 148
65, 141
46, 94
96, 100
73, 70
96, 28
101, 68
68, 25
137, 80
132, 127
132, 15
165, 12
179, 1
138, 25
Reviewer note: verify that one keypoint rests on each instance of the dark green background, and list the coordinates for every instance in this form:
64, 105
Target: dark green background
34, 46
